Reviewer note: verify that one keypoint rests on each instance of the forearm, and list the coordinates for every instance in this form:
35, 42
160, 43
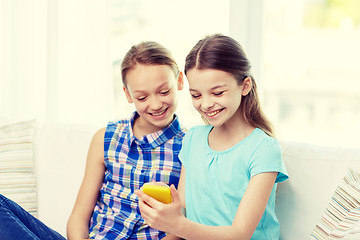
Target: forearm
190, 230
171, 237
77, 228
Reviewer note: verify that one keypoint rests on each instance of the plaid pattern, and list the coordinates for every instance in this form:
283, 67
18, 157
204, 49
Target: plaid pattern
131, 162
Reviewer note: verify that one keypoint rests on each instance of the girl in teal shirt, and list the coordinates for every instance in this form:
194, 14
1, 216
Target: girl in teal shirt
231, 167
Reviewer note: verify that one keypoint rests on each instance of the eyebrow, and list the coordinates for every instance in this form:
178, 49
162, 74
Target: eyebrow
212, 89
161, 86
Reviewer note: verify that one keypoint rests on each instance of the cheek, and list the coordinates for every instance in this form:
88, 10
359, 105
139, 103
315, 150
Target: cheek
235, 103
140, 106
170, 99
196, 103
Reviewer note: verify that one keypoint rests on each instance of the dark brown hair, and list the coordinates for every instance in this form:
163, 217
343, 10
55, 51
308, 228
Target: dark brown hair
147, 53
223, 53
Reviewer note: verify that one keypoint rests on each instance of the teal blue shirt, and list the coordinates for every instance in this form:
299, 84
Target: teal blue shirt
216, 181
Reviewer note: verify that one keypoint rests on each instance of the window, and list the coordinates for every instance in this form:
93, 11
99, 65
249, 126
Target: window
311, 70
305, 55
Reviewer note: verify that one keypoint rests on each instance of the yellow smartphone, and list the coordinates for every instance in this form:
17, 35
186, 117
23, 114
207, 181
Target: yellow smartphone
159, 191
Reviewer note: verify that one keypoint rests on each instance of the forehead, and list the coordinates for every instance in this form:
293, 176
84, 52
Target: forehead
143, 77
200, 79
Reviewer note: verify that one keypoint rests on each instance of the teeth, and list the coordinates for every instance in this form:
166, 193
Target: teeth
210, 114
158, 114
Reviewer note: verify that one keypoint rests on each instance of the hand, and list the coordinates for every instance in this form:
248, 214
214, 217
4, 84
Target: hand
164, 217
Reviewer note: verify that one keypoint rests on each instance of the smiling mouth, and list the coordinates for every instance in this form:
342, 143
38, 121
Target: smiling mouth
158, 113
213, 113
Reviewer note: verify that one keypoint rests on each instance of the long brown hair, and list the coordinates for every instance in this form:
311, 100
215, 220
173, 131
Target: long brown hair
220, 52
147, 53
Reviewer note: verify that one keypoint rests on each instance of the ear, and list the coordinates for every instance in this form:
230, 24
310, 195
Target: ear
180, 82
246, 86
127, 94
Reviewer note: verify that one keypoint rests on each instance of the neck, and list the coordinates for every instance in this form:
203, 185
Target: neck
141, 128
229, 134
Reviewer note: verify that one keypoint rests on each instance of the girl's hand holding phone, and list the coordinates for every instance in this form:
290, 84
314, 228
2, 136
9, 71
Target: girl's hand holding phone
158, 190
162, 216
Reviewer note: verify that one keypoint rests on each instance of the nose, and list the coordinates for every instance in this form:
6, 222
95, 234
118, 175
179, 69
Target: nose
155, 103
207, 103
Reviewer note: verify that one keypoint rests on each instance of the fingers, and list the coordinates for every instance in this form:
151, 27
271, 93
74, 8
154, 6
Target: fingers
174, 193
137, 192
146, 206
147, 199
146, 211
157, 214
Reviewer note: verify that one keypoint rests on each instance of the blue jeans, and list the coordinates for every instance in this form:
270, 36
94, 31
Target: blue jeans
16, 223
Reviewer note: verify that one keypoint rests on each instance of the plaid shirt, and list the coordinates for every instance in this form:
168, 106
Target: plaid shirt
129, 163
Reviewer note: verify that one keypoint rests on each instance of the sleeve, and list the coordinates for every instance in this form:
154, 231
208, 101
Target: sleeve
185, 148
267, 157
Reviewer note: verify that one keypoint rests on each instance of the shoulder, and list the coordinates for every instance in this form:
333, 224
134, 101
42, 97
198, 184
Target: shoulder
97, 141
267, 157
266, 142
114, 130
199, 129
197, 132
117, 126
264, 148
176, 129
181, 132
99, 135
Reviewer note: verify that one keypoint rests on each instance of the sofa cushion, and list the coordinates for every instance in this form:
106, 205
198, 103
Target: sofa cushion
342, 216
314, 174
17, 177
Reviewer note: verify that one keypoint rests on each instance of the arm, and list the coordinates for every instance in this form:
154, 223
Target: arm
168, 217
171, 237
78, 223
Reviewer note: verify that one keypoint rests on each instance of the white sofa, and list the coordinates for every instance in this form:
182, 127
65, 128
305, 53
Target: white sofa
60, 155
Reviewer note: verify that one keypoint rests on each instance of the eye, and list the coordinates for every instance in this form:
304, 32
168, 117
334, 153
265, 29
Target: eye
141, 99
218, 93
195, 96
165, 92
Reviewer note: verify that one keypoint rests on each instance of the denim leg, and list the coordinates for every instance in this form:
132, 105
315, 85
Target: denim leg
16, 223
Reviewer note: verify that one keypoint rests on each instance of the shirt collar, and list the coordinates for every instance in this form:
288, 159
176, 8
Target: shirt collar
155, 139
131, 136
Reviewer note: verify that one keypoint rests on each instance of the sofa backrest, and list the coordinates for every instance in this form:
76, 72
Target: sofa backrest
315, 172
60, 157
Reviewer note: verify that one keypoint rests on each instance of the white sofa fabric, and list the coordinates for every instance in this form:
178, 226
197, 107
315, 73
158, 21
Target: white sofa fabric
315, 172
60, 157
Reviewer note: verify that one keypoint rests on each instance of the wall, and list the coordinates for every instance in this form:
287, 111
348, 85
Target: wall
55, 68
55, 63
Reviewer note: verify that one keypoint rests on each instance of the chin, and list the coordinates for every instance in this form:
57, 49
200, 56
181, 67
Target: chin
215, 122
163, 123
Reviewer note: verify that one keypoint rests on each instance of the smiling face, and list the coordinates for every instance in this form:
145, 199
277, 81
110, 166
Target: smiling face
216, 95
153, 90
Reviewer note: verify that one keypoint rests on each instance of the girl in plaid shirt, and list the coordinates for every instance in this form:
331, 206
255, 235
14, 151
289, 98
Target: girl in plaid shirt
128, 153
122, 157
